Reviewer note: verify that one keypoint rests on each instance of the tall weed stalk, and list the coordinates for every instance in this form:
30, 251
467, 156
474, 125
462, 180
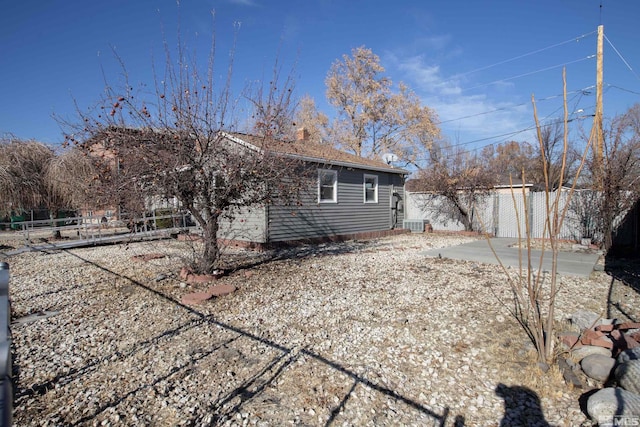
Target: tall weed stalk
533, 288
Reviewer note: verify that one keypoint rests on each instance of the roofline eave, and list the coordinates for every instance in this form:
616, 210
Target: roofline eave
318, 160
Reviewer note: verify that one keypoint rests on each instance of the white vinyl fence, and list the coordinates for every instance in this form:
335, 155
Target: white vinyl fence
501, 215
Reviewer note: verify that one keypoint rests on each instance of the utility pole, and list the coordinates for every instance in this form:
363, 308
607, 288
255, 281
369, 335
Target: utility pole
597, 132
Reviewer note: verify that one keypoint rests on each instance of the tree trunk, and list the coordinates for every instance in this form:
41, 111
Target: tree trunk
464, 216
211, 254
608, 217
607, 235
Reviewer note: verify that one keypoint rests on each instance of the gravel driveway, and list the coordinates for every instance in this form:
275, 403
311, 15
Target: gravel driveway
356, 333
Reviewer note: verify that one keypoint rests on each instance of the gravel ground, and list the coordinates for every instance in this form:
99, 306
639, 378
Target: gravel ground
356, 333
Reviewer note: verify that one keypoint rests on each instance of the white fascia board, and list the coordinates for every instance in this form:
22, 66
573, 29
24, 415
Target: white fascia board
347, 164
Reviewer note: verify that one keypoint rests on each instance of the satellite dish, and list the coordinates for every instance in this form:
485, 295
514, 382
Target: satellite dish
389, 158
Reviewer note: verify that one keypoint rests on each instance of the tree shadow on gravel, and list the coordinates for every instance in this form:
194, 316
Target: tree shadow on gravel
225, 407
76, 373
115, 402
251, 260
521, 407
624, 272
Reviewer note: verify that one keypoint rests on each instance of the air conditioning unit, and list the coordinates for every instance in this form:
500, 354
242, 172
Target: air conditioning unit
415, 225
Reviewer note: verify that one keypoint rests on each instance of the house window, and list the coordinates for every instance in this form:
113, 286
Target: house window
370, 189
327, 186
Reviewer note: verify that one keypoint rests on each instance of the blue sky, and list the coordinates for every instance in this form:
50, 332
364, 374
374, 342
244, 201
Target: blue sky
476, 59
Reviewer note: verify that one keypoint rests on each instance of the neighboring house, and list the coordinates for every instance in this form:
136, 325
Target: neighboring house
505, 185
351, 197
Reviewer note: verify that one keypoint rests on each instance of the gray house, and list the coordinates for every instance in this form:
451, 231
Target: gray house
352, 197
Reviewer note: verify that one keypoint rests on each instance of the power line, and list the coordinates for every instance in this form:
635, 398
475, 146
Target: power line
621, 57
623, 89
522, 56
530, 73
506, 136
574, 100
582, 91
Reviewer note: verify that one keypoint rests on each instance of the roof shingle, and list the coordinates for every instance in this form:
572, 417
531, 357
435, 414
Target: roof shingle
312, 151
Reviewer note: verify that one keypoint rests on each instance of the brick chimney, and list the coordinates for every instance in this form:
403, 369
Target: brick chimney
302, 134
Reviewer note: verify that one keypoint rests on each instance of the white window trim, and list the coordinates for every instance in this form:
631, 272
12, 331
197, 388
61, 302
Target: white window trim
364, 188
335, 185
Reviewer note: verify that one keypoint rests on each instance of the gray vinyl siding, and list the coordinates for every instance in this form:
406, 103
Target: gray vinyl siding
349, 215
248, 225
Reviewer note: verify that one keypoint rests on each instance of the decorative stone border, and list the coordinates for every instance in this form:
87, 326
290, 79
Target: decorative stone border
196, 298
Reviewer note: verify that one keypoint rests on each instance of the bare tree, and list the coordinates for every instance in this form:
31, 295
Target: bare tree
515, 158
509, 159
619, 170
373, 118
273, 107
173, 144
70, 175
23, 166
33, 176
457, 177
552, 148
315, 122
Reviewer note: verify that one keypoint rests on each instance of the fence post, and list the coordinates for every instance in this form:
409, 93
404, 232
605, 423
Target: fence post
495, 217
530, 214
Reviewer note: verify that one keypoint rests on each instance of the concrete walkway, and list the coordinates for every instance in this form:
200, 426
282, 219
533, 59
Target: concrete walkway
569, 263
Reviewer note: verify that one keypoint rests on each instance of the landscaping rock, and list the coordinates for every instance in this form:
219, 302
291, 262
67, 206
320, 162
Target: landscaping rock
628, 325
604, 342
596, 338
627, 355
584, 319
202, 278
195, 298
605, 328
220, 290
570, 340
577, 354
188, 276
603, 405
590, 334
628, 376
543, 367
567, 368
213, 291
598, 366
622, 341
